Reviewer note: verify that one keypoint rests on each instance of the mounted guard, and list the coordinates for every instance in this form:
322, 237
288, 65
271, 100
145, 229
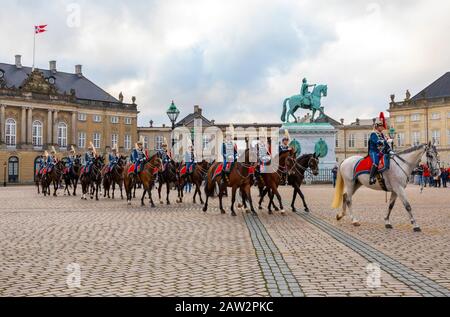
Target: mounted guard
190, 160
113, 159
379, 148
229, 152
89, 157
138, 157
263, 158
164, 154
51, 160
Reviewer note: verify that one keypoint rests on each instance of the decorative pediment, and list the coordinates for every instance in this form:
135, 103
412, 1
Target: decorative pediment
37, 83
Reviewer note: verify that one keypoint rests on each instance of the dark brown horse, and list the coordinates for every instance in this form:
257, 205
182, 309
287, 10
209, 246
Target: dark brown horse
198, 175
54, 176
146, 176
113, 177
168, 177
240, 177
90, 182
268, 183
71, 175
296, 169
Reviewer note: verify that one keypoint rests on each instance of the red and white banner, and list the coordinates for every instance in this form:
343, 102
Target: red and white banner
40, 29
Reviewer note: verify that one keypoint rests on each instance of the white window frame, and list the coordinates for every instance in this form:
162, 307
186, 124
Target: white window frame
436, 116
351, 141
400, 119
366, 140
82, 140
115, 120
401, 139
97, 118
159, 140
415, 138
127, 142
415, 117
436, 137
146, 142
128, 121
62, 135
11, 132
114, 140
82, 117
37, 133
97, 140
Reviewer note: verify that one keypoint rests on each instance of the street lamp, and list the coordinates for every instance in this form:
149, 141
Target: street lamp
173, 114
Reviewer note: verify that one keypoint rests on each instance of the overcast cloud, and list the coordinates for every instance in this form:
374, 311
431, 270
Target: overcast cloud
239, 59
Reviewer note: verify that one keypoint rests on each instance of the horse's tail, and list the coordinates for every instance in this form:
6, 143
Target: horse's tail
338, 194
283, 115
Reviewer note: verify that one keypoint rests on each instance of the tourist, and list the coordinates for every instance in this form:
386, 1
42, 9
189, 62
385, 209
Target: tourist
426, 175
444, 177
335, 172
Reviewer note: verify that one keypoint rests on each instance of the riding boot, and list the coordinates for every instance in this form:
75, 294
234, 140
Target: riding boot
373, 172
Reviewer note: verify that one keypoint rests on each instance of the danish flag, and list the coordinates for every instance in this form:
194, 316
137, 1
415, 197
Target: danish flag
40, 29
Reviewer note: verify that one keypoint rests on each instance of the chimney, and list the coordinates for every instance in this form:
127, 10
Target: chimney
18, 61
358, 122
198, 110
151, 123
52, 66
79, 70
342, 121
213, 122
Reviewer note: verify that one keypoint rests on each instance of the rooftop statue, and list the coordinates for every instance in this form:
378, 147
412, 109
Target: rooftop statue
306, 100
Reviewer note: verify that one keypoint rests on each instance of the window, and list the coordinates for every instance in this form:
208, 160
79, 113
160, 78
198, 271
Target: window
82, 117
435, 116
206, 140
415, 138
127, 143
97, 140
10, 132
337, 141
62, 135
436, 134
351, 141
97, 118
37, 133
114, 120
128, 121
159, 140
401, 139
13, 170
366, 140
114, 140
400, 119
415, 117
82, 140
146, 142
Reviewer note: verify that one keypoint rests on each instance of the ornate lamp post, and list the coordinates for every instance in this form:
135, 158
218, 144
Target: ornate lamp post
392, 134
173, 114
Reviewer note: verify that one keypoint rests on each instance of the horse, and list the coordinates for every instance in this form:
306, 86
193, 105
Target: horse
72, 175
396, 179
54, 176
240, 177
296, 168
168, 176
298, 101
268, 183
196, 177
113, 177
146, 176
90, 182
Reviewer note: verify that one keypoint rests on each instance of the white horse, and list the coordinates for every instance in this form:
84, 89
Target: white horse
396, 180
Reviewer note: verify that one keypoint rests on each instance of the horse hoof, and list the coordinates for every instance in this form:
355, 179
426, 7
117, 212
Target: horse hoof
270, 212
168, 203
294, 210
307, 210
417, 229
223, 212
339, 218
356, 224
153, 206
276, 209
389, 227
233, 214
161, 202
283, 212
260, 208
205, 209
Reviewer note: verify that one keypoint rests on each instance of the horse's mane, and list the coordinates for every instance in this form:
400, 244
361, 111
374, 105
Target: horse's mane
304, 156
412, 149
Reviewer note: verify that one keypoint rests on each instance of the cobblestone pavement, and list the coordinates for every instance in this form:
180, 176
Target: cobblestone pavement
178, 250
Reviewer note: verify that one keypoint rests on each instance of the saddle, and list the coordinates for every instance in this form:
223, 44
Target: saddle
132, 169
184, 170
220, 169
364, 166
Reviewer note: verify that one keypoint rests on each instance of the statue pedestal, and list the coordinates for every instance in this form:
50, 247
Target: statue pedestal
309, 134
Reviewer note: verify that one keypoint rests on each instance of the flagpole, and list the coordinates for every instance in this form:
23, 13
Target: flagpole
34, 47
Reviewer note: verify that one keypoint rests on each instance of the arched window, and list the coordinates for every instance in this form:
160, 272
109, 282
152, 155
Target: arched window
10, 132
62, 135
13, 169
37, 133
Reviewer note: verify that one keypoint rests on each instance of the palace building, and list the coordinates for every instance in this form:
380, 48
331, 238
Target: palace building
424, 117
44, 108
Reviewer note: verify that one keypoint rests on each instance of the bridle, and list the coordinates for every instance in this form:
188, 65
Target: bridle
296, 166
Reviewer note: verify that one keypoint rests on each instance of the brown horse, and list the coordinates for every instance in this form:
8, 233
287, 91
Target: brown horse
240, 177
196, 178
71, 176
54, 176
113, 177
146, 176
168, 176
268, 183
90, 182
296, 168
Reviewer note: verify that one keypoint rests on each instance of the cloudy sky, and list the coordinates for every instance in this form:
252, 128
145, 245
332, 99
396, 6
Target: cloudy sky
238, 59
